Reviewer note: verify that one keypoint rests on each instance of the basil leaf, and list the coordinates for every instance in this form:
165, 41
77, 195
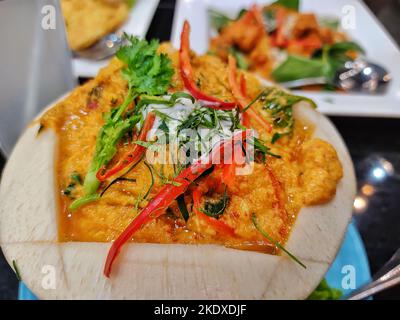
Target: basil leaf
215, 208
296, 67
290, 4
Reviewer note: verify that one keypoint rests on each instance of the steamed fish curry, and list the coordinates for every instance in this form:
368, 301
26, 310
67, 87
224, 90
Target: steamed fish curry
113, 131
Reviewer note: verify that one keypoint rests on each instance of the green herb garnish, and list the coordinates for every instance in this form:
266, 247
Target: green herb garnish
325, 292
290, 4
279, 104
152, 181
123, 177
147, 73
215, 208
277, 244
75, 177
83, 201
68, 190
324, 63
260, 149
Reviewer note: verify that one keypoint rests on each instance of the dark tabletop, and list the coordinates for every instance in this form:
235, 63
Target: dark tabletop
374, 145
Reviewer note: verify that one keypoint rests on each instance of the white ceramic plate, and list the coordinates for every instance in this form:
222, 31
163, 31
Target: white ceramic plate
137, 24
368, 32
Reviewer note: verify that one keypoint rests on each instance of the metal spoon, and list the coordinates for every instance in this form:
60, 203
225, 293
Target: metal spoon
358, 76
388, 276
104, 48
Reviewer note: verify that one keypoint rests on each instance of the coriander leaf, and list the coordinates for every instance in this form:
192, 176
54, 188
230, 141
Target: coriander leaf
147, 72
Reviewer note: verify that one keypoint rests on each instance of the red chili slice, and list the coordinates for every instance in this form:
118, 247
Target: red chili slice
241, 97
187, 74
131, 156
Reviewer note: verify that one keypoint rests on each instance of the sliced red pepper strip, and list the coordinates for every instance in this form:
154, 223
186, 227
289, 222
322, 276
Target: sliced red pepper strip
187, 73
155, 208
241, 96
216, 224
243, 85
131, 156
237, 88
246, 120
229, 169
164, 198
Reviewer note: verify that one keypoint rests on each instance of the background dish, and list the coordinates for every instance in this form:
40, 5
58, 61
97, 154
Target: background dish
137, 24
368, 32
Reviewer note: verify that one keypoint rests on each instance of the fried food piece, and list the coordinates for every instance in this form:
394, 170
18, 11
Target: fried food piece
247, 35
88, 21
306, 24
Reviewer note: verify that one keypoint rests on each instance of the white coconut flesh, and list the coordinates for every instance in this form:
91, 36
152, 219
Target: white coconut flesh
74, 270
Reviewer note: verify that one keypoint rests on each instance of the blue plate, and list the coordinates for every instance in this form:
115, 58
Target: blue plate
352, 253
351, 258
